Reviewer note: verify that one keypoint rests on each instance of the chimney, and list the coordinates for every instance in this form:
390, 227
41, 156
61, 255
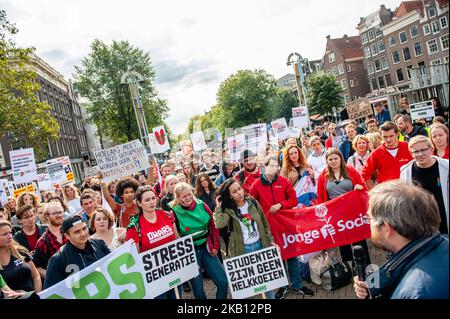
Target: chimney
328, 37
346, 38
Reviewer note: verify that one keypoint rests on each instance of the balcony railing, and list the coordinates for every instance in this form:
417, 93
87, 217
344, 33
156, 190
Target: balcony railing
429, 75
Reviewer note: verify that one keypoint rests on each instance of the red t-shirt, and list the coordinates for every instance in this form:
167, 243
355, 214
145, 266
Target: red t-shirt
32, 239
124, 214
153, 234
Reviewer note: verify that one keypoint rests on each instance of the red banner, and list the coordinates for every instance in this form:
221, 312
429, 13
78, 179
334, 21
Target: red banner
331, 224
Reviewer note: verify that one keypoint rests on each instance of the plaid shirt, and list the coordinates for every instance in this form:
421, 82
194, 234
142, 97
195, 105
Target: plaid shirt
46, 247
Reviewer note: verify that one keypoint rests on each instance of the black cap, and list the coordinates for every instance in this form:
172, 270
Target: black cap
247, 154
71, 221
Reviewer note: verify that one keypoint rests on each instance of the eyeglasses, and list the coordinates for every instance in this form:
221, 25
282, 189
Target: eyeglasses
56, 213
418, 152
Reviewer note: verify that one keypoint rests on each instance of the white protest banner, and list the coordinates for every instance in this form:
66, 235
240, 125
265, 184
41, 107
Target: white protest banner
44, 182
294, 131
300, 116
255, 273
255, 137
23, 166
280, 128
198, 141
56, 172
159, 141
236, 146
4, 191
91, 171
122, 160
169, 265
125, 274
422, 110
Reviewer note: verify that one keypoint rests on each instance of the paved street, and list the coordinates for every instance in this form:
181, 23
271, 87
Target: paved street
377, 255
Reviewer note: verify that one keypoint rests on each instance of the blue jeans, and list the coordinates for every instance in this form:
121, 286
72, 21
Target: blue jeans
255, 247
214, 269
294, 272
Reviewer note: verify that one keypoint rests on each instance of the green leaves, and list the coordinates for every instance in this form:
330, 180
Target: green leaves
110, 106
21, 112
323, 93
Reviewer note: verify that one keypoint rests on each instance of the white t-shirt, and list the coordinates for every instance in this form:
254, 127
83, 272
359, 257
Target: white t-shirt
249, 228
393, 152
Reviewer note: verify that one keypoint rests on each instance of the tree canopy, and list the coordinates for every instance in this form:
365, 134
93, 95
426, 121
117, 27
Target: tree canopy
323, 93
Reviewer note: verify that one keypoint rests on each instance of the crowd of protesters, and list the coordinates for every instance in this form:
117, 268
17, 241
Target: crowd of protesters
226, 205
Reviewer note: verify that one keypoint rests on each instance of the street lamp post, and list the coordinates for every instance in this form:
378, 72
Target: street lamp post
133, 79
297, 61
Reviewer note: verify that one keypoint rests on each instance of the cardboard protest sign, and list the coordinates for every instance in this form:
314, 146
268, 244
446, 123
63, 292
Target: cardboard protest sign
122, 160
359, 109
198, 141
236, 146
334, 223
255, 137
23, 166
56, 172
169, 265
300, 116
280, 129
126, 274
159, 141
424, 110
255, 273
44, 182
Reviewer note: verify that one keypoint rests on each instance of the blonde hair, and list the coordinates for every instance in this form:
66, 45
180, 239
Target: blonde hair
15, 249
375, 138
438, 126
360, 137
419, 139
180, 188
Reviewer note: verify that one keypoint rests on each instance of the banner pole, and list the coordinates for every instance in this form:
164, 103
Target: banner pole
177, 294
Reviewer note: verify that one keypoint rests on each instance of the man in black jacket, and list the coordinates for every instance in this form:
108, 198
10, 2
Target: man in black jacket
408, 129
30, 232
77, 254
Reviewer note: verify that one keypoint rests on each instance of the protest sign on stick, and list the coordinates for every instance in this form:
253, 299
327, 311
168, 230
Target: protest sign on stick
280, 128
122, 160
236, 146
255, 273
198, 141
300, 116
424, 110
23, 166
158, 140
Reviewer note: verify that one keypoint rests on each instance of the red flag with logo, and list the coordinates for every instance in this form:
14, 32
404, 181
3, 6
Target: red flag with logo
331, 224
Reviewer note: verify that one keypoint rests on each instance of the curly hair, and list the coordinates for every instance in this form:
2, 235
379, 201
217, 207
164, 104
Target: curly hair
20, 202
124, 183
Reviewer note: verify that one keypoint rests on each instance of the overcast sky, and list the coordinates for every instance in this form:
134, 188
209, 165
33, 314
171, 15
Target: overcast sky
195, 44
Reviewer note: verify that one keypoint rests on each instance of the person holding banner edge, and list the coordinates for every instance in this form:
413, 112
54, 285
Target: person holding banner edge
338, 179
193, 217
275, 192
152, 227
244, 217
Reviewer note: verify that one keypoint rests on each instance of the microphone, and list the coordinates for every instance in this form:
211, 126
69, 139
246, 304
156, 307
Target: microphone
360, 262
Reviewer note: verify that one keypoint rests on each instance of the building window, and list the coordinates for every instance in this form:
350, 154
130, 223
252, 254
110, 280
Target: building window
378, 32
381, 47
367, 52
384, 63
341, 69
364, 38
371, 35
387, 76
346, 98
431, 12
444, 42
406, 54
374, 49
446, 59
426, 29
432, 47
444, 22
349, 68
399, 74
392, 41
352, 84
344, 84
402, 36
395, 57
370, 67
374, 84
381, 82
377, 65
435, 27
436, 62
418, 49
421, 66
408, 71
414, 31
334, 70
331, 57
